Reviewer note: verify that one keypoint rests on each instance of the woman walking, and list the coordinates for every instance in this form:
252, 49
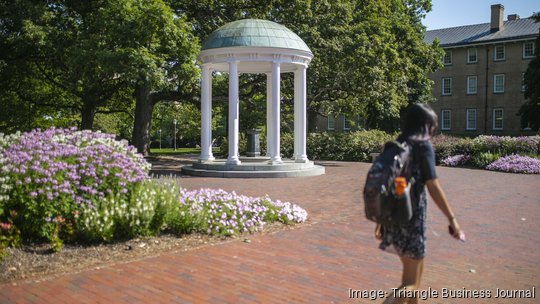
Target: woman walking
408, 240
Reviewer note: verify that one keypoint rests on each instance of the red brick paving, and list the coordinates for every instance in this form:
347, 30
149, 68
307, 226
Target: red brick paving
318, 262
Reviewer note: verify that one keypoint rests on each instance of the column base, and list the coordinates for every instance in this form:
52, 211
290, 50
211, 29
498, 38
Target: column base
302, 159
207, 159
275, 161
233, 161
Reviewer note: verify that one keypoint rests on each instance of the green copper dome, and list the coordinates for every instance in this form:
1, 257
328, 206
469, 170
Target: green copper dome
254, 33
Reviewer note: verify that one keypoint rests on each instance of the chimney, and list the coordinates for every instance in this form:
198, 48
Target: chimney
513, 17
497, 15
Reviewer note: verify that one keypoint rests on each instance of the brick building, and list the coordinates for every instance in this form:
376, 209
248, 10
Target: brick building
480, 89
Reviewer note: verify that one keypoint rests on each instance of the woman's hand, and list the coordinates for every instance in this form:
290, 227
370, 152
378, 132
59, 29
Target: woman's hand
455, 230
378, 232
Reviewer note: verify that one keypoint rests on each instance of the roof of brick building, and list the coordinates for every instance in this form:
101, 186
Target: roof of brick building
481, 33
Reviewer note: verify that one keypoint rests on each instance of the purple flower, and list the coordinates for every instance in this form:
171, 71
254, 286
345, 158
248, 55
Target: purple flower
516, 164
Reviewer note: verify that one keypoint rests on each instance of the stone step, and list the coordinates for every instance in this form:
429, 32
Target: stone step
310, 171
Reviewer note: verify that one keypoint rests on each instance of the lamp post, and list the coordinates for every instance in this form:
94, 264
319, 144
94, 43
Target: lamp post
175, 134
159, 131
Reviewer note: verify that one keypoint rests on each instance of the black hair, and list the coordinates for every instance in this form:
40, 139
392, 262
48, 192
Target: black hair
420, 123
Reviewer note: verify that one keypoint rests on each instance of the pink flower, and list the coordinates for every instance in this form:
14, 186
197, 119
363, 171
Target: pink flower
5, 226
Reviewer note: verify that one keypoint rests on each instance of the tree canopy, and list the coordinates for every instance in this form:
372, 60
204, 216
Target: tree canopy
530, 111
64, 61
369, 56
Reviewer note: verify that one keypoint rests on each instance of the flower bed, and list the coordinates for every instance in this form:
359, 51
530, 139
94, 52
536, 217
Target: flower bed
162, 205
498, 153
225, 213
516, 164
67, 185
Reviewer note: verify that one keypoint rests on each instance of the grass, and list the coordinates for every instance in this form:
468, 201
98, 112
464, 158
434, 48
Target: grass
178, 151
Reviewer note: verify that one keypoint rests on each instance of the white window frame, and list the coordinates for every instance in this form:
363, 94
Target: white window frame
346, 124
444, 127
447, 55
495, 119
469, 55
331, 123
470, 90
525, 48
495, 88
523, 85
495, 58
449, 86
469, 126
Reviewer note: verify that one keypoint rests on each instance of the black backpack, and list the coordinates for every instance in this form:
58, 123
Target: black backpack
381, 203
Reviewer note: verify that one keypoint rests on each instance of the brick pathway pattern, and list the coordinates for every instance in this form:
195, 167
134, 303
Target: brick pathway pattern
335, 252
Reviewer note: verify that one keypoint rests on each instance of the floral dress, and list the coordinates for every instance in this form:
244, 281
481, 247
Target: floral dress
409, 239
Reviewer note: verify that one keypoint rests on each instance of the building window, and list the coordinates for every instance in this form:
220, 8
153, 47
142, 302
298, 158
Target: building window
528, 49
447, 86
471, 119
472, 55
523, 85
346, 124
497, 119
498, 83
331, 123
472, 84
445, 119
499, 53
447, 58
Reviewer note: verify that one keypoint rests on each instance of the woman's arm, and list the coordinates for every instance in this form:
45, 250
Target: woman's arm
439, 197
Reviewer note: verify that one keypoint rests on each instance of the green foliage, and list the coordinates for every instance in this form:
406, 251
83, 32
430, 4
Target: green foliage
482, 159
353, 146
483, 150
146, 212
10, 235
363, 64
62, 63
530, 110
188, 124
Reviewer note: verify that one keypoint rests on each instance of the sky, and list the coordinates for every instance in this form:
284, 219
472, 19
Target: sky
451, 13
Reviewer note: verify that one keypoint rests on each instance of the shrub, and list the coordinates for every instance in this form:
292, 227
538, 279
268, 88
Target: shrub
505, 145
481, 160
56, 173
161, 205
482, 150
456, 160
146, 212
354, 146
446, 146
516, 164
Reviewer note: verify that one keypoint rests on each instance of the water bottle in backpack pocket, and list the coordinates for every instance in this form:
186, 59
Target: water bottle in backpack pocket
387, 198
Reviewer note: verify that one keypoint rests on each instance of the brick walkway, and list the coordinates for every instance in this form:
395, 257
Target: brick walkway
320, 261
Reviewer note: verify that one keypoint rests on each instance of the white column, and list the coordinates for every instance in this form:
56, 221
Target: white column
296, 113
269, 115
206, 114
233, 114
300, 114
275, 157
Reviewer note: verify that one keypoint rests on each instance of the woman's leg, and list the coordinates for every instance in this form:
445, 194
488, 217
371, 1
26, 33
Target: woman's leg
410, 281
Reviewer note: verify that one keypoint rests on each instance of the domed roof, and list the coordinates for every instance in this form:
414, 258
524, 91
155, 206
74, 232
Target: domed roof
254, 33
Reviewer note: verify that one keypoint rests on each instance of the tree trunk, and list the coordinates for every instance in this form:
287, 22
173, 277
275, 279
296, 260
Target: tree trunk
87, 115
143, 118
312, 121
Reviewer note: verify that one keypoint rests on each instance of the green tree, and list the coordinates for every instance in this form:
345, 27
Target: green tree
157, 57
369, 56
530, 110
58, 47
